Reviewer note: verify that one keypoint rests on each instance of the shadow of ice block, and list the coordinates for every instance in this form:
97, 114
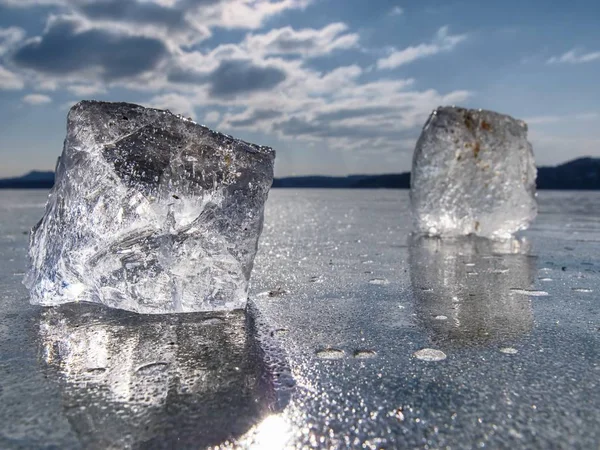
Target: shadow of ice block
150, 212
464, 288
135, 381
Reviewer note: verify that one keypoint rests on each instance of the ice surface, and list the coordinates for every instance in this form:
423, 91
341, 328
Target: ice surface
135, 381
473, 173
465, 289
150, 212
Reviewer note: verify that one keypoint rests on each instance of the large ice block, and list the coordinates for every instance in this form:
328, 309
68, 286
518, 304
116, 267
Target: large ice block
150, 212
473, 173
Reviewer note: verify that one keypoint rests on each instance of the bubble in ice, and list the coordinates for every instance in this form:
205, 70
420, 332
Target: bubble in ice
585, 290
150, 212
509, 350
473, 173
430, 354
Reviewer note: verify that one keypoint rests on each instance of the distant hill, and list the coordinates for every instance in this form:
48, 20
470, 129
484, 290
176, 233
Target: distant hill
579, 174
33, 180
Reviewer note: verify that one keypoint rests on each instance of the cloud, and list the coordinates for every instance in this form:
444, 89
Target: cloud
85, 90
30, 3
177, 104
236, 76
544, 120
392, 116
265, 80
244, 14
36, 99
574, 57
9, 38
354, 112
442, 42
212, 117
9, 80
305, 42
396, 11
133, 11
68, 47
252, 117
170, 23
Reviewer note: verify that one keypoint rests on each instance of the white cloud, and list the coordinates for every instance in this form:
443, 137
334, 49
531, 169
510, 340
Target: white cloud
9, 80
85, 90
246, 14
177, 104
9, 37
46, 84
212, 117
36, 99
442, 42
262, 82
306, 42
396, 11
574, 57
30, 3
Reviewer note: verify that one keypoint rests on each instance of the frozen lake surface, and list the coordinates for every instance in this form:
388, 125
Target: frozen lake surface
392, 341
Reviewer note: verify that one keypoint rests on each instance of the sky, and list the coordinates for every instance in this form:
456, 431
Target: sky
334, 86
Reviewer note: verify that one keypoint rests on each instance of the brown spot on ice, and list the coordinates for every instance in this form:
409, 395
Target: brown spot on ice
486, 126
469, 122
476, 149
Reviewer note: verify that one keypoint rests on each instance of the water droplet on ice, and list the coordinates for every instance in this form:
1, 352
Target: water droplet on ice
152, 368
365, 354
279, 332
379, 281
430, 354
330, 353
582, 290
530, 292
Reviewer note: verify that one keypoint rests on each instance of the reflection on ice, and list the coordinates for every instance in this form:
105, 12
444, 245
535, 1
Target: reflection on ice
273, 433
178, 381
464, 288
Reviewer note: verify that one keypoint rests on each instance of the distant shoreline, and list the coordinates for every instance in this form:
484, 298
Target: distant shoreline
579, 174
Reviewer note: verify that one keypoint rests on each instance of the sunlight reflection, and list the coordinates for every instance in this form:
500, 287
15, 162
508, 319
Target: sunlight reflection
273, 433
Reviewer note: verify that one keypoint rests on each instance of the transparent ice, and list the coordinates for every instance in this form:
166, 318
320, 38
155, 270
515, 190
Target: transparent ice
473, 173
150, 212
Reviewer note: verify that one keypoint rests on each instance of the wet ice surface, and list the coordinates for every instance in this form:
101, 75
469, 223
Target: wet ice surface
520, 370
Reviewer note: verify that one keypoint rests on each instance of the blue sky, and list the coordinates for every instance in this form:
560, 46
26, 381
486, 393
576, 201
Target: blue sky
335, 86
